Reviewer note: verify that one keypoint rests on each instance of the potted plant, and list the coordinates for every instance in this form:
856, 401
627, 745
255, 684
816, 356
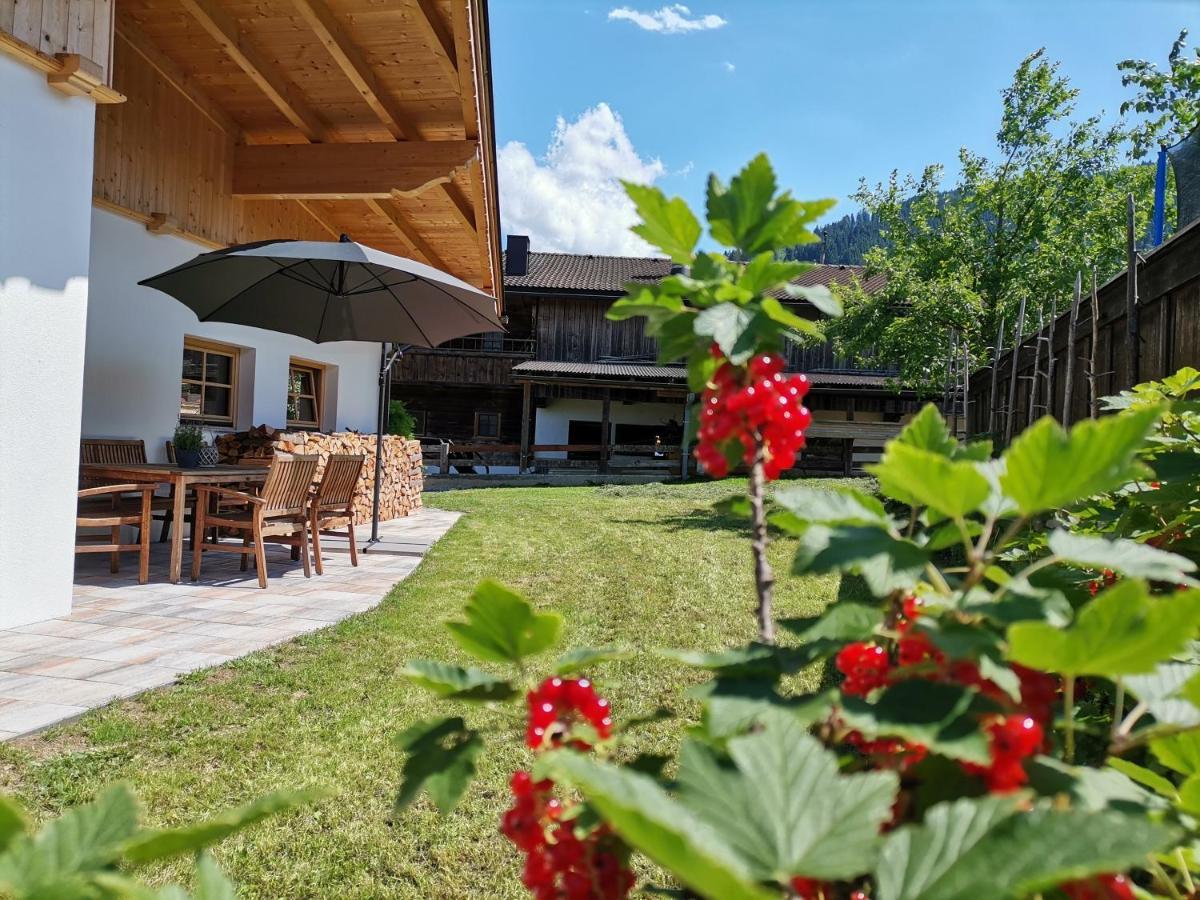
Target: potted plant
189, 440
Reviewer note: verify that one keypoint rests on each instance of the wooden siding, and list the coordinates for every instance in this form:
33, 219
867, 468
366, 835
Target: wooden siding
158, 153
574, 329
1169, 326
63, 26
451, 367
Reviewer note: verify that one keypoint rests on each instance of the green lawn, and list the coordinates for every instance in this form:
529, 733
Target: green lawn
644, 566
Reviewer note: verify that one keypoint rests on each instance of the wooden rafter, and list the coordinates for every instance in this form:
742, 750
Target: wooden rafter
402, 227
441, 41
224, 30
335, 171
460, 18
351, 61
320, 220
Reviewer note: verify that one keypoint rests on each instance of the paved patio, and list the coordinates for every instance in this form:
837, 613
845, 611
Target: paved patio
122, 638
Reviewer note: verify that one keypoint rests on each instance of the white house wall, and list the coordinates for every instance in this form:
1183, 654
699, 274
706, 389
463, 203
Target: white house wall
553, 420
46, 142
135, 347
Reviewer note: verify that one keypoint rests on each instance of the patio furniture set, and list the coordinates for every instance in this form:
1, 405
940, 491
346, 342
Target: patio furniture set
284, 502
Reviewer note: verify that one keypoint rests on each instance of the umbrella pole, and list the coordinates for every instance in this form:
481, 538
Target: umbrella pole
386, 362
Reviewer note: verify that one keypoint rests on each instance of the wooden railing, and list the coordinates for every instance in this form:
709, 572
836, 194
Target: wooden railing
615, 458
478, 343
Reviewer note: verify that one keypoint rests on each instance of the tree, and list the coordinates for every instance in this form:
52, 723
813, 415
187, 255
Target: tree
1169, 101
1017, 224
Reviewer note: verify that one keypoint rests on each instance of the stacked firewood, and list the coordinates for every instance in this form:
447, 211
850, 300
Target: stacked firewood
403, 467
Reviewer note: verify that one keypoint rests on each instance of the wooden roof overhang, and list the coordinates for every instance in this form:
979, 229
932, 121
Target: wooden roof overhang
259, 119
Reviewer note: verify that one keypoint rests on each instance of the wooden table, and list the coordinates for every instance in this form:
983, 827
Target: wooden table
180, 479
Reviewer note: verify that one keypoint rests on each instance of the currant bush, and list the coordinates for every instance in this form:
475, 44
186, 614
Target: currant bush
1015, 712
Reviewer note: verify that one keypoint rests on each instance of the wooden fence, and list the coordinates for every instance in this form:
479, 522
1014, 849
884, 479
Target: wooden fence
1166, 323
835, 448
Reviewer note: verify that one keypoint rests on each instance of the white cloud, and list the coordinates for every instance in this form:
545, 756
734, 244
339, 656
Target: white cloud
674, 18
571, 199
729, 67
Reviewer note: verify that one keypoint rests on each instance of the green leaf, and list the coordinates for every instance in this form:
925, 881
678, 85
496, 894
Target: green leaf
211, 883
82, 840
749, 216
924, 478
980, 849
1168, 693
13, 821
663, 829
1047, 468
457, 683
833, 506
735, 705
730, 326
441, 759
841, 622
1121, 555
928, 431
666, 224
785, 807
161, 843
1179, 752
502, 626
1089, 788
1123, 631
943, 717
818, 295
886, 563
585, 657
1143, 776
780, 314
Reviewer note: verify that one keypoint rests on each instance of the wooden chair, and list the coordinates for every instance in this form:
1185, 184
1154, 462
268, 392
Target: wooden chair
110, 506
118, 451
278, 513
333, 504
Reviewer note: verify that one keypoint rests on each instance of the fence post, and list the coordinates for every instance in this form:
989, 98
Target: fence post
1069, 384
1012, 383
1131, 292
993, 399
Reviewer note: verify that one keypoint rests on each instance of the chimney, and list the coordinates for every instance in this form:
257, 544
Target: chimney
516, 255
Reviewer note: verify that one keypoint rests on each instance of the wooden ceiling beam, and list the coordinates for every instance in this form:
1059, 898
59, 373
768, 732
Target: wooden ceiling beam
408, 234
441, 40
352, 62
462, 208
460, 18
224, 30
320, 220
339, 171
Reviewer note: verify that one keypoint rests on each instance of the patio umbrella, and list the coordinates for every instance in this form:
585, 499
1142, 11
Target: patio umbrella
332, 291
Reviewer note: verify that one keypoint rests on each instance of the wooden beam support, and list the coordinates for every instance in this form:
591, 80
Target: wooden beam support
441, 41
461, 21
163, 223
69, 73
351, 61
407, 233
224, 30
308, 208
341, 171
526, 407
462, 208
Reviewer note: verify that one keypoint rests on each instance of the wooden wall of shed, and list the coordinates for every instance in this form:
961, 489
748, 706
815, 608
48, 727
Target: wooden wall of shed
63, 26
574, 329
451, 367
450, 410
157, 153
1168, 322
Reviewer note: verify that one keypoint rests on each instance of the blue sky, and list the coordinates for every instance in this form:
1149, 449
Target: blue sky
832, 90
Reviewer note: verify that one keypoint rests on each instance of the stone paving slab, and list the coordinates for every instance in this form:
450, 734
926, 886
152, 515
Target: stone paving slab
122, 638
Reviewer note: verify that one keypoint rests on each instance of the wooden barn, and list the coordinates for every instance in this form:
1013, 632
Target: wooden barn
565, 387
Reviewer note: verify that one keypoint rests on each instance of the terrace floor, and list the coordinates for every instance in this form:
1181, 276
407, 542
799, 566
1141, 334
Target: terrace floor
122, 638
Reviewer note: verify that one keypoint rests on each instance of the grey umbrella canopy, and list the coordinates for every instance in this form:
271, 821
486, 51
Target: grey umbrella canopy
329, 291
